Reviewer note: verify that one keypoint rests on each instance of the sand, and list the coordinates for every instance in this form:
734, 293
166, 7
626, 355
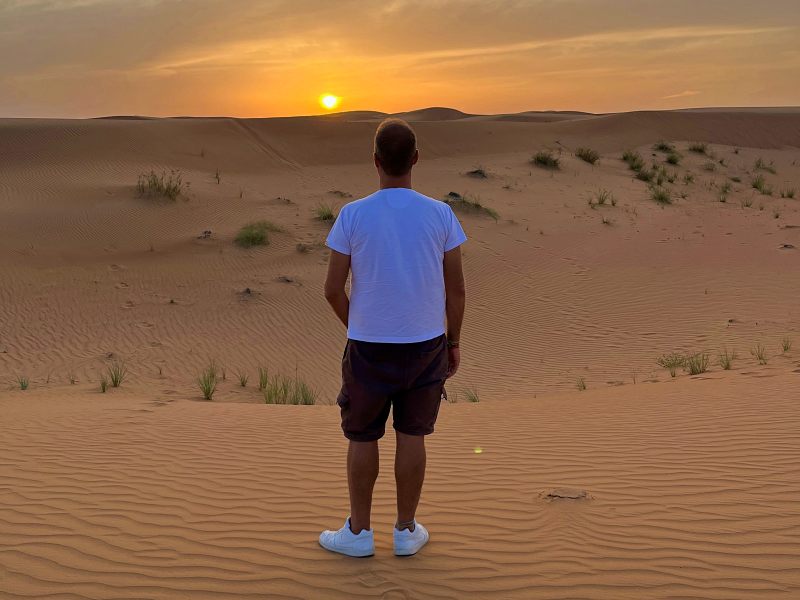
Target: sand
146, 491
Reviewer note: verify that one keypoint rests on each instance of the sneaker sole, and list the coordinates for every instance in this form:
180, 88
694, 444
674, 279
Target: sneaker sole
351, 555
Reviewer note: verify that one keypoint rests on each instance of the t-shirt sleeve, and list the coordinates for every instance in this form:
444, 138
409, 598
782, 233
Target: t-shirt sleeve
339, 237
455, 233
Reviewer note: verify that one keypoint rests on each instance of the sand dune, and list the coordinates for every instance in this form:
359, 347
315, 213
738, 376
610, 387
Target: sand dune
693, 488
147, 492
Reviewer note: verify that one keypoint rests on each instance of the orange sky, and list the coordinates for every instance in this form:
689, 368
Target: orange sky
84, 58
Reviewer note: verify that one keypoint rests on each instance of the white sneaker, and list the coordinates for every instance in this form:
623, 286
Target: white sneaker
407, 542
346, 542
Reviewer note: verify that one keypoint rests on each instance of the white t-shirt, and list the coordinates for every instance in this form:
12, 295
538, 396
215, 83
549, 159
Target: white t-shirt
396, 239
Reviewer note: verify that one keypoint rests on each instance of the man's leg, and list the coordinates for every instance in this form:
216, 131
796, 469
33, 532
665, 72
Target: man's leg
362, 471
409, 473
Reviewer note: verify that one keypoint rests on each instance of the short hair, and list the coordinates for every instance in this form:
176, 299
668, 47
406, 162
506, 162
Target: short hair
395, 145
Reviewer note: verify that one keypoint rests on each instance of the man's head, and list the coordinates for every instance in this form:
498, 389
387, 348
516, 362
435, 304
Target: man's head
395, 147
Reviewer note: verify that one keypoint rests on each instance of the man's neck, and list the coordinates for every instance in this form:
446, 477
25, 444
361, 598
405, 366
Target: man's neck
396, 182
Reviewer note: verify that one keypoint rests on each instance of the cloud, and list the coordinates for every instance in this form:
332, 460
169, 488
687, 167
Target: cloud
683, 94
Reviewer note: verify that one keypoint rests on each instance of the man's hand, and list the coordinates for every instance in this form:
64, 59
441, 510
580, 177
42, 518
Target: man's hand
454, 359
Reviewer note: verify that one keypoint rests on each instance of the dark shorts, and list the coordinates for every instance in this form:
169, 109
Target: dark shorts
406, 378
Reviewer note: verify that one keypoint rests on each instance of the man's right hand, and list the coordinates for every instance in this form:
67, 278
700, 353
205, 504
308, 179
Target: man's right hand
454, 359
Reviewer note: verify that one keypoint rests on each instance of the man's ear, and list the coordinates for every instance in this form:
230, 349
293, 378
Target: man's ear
416, 157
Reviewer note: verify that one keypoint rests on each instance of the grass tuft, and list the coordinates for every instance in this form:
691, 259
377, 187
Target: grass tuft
471, 395
760, 165
103, 384
580, 383
116, 373
672, 362
697, 363
660, 195
160, 185
663, 146
546, 160
634, 160
467, 204
324, 212
759, 183
788, 193
786, 344
698, 148
23, 382
243, 377
207, 381
674, 158
760, 354
256, 234
285, 390
263, 378
587, 155
726, 359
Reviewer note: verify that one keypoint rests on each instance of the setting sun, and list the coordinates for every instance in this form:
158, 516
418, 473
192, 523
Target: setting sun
329, 101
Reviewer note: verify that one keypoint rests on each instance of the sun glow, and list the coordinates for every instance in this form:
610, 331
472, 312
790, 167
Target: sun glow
329, 101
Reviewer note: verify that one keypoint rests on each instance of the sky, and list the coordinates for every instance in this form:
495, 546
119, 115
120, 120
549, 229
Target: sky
87, 58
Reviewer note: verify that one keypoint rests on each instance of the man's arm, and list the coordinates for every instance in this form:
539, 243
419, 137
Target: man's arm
338, 269
455, 294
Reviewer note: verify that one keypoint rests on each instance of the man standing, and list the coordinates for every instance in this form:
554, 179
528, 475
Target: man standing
403, 250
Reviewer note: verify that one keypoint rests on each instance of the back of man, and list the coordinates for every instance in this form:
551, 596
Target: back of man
407, 291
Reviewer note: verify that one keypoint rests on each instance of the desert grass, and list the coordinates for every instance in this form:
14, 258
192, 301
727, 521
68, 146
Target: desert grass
674, 158
786, 344
470, 205
116, 373
698, 148
160, 185
726, 358
471, 395
606, 221
602, 196
645, 175
546, 160
697, 363
23, 382
243, 378
760, 183
746, 202
73, 379
663, 146
724, 190
477, 173
217, 176
256, 234
688, 178
263, 378
103, 384
760, 165
587, 155
285, 390
709, 166
580, 383
634, 160
207, 381
672, 362
660, 195
324, 212
759, 353
788, 193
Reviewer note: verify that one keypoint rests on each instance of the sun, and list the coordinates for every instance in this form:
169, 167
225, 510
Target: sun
329, 101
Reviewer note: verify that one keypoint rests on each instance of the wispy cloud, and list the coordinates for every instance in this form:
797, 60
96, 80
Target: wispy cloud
683, 94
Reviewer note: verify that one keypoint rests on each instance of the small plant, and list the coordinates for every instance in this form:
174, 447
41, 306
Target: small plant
23, 382
726, 359
478, 173
580, 383
760, 165
634, 160
324, 212
674, 158
207, 381
645, 175
786, 344
467, 204
263, 378
606, 221
663, 146
546, 160
759, 183
709, 166
760, 354
672, 362
604, 196
697, 363
688, 178
789, 193
660, 195
72, 378
103, 384
217, 176
698, 148
471, 395
160, 185
746, 202
116, 373
587, 155
256, 234
243, 379
284, 390
776, 213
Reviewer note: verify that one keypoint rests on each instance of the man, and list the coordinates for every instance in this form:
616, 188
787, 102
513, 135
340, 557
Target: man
403, 250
